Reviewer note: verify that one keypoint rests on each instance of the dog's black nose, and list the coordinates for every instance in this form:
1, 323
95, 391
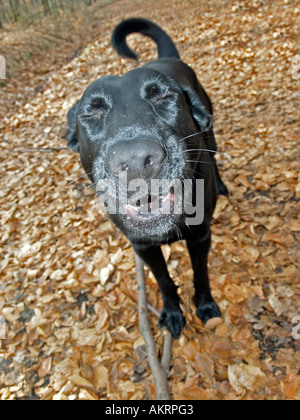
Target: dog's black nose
140, 158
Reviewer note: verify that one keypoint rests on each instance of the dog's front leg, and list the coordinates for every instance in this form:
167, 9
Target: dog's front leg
206, 306
171, 316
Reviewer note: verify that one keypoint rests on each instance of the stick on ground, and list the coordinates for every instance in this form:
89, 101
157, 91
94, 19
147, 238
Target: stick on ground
159, 369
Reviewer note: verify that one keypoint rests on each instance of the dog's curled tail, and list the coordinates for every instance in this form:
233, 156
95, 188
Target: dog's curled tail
165, 45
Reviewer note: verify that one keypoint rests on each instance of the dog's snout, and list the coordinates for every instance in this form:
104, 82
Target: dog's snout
140, 158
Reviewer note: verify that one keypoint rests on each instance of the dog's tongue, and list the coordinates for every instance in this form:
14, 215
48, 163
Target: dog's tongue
131, 210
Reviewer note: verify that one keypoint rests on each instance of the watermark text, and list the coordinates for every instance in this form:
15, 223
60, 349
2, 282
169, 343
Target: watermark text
156, 197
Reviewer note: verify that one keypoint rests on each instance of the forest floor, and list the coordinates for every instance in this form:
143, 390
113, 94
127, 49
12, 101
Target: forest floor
68, 318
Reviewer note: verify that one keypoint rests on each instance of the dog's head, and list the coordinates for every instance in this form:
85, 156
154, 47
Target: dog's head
139, 128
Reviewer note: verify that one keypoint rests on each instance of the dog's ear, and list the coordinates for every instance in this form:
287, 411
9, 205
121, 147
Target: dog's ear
71, 136
200, 106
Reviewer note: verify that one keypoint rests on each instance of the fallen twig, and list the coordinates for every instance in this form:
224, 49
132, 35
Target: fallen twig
154, 310
159, 369
167, 352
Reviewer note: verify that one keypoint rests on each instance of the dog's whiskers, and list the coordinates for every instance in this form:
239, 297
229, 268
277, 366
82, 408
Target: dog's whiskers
198, 161
191, 172
193, 135
200, 150
89, 186
81, 176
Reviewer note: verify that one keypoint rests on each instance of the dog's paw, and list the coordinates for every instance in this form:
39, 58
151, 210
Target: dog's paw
207, 311
173, 320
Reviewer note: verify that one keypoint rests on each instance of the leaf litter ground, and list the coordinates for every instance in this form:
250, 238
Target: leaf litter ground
68, 319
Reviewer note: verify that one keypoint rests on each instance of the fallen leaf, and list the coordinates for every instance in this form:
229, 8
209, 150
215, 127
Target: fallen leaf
291, 385
105, 274
245, 376
101, 377
81, 382
193, 392
102, 313
223, 349
276, 305
234, 293
204, 365
87, 396
213, 323
45, 367
282, 239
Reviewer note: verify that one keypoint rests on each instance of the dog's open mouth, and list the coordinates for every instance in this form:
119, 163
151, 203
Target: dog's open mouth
151, 207
149, 211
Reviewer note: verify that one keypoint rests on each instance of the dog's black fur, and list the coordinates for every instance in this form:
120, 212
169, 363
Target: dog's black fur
155, 121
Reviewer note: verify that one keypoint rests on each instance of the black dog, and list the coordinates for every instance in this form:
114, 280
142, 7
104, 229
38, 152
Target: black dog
154, 122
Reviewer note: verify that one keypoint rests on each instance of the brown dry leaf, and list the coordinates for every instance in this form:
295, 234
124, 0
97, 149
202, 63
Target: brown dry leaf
191, 349
295, 225
45, 367
290, 385
204, 365
105, 273
245, 376
10, 314
101, 377
166, 250
251, 253
223, 349
81, 382
193, 392
60, 397
85, 337
276, 305
213, 323
222, 203
87, 396
234, 293
102, 313
282, 239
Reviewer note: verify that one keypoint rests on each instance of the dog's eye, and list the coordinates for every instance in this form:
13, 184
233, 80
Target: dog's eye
163, 98
157, 94
97, 108
152, 90
98, 103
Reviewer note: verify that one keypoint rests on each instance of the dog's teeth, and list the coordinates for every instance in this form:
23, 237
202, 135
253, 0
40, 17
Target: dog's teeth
166, 198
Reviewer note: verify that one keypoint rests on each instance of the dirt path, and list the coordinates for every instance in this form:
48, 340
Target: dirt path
68, 320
